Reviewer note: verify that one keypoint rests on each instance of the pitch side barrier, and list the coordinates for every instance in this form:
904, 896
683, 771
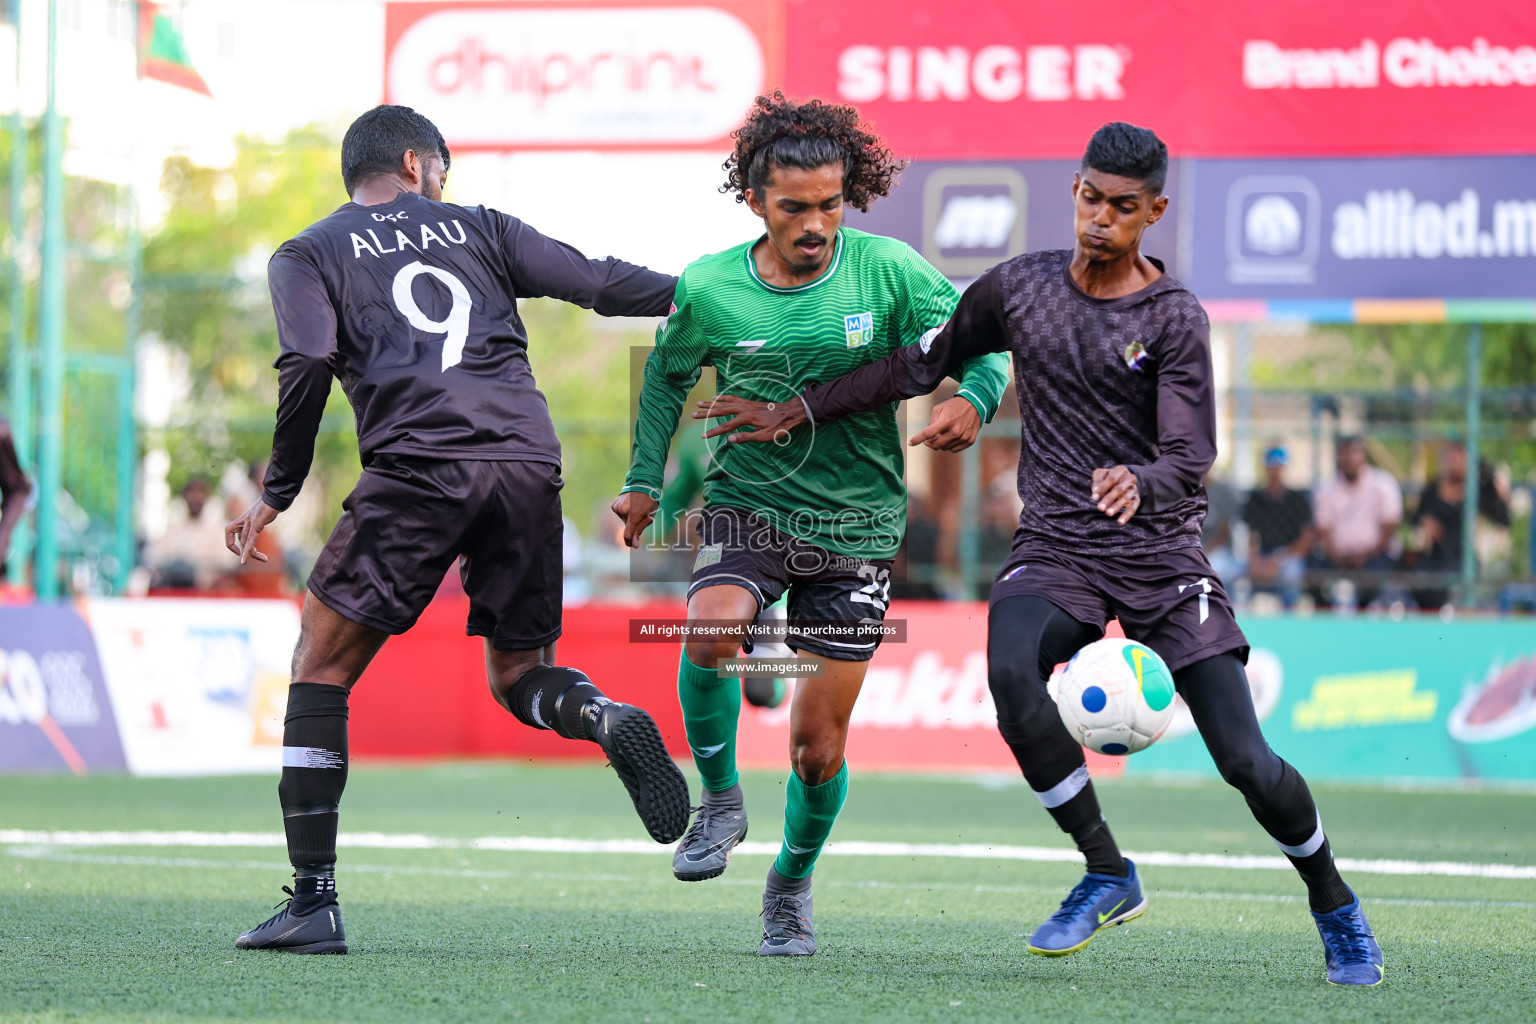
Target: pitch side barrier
197, 686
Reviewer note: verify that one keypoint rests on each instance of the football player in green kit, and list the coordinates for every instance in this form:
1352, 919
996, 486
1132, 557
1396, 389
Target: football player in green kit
819, 514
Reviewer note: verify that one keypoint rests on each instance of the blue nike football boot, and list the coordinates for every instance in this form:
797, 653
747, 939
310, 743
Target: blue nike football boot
1349, 947
1098, 902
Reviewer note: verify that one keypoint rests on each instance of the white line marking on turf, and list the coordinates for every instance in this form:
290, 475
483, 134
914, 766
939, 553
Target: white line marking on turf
849, 848
53, 855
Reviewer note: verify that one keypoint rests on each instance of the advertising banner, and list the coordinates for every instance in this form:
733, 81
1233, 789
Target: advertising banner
55, 713
1461, 227
973, 79
199, 686
966, 216
626, 74
1376, 699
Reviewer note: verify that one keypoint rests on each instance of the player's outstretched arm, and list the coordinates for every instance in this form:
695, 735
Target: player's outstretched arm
1186, 416
541, 266
975, 330
671, 371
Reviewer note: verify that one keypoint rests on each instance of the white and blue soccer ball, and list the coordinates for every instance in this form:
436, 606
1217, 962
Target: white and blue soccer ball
1115, 696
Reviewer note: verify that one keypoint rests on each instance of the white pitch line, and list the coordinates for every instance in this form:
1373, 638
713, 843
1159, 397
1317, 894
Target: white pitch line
847, 848
51, 855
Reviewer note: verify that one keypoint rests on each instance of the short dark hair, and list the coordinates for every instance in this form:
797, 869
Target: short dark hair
378, 140
779, 132
1131, 152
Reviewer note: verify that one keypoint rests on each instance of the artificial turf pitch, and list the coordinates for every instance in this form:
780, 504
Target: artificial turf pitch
145, 933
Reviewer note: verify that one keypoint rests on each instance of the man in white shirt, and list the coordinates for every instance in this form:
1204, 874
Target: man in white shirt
1358, 512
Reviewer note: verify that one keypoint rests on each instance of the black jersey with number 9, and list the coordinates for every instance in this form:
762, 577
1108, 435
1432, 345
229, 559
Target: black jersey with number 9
412, 305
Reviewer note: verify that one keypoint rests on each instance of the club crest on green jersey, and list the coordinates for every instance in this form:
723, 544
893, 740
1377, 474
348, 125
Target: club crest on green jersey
860, 328
709, 554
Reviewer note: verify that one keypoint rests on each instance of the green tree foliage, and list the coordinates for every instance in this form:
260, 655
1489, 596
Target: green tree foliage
205, 295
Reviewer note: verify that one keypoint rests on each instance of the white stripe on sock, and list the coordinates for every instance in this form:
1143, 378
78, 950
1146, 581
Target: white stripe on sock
1064, 790
312, 757
1309, 847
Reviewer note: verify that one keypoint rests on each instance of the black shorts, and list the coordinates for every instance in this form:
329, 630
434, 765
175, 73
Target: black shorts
737, 548
1171, 601
407, 520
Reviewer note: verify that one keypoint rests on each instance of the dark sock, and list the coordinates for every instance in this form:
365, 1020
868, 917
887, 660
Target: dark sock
783, 883
1052, 763
551, 697
1290, 816
312, 891
314, 775
724, 798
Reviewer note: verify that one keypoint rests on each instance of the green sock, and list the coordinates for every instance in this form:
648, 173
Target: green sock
711, 706
809, 812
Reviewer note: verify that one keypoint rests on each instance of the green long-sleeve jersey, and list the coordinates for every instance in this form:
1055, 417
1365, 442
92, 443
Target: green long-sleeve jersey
839, 484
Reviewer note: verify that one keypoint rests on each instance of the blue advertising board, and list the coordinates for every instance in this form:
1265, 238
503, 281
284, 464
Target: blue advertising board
55, 714
1446, 227
1308, 232
965, 217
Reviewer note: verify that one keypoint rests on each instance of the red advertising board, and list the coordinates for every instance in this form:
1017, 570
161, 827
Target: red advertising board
978, 79
990, 79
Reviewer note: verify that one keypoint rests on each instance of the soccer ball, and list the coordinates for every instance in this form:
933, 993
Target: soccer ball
1116, 696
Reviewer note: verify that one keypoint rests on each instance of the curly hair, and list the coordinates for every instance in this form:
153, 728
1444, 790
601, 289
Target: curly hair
781, 133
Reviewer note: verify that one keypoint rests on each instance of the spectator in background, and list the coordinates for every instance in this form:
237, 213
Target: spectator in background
1280, 531
191, 555
1357, 514
14, 490
1437, 522
1216, 532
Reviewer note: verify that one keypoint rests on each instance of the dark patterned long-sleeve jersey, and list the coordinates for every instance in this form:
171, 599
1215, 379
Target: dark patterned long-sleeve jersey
1101, 383
412, 305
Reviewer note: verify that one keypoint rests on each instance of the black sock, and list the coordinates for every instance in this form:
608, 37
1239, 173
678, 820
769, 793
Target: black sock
550, 697
314, 775
782, 883
1290, 816
1052, 763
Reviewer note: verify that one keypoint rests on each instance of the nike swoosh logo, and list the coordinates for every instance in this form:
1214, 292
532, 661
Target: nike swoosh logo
798, 852
1111, 912
709, 751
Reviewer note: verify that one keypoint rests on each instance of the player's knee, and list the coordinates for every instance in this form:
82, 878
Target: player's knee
1017, 689
816, 760
709, 653
1252, 771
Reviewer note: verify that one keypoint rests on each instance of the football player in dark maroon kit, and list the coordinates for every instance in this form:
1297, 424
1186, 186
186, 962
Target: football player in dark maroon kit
1112, 367
411, 303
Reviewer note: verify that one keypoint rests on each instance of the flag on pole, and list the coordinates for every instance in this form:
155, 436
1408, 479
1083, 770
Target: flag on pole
162, 55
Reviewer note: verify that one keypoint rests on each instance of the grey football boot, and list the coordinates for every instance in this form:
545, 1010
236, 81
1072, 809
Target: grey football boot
706, 847
787, 929
317, 930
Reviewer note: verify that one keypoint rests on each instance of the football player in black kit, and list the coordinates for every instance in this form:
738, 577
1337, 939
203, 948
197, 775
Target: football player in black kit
412, 304
1117, 413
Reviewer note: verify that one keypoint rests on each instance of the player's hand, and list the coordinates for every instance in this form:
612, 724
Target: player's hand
773, 420
1116, 492
952, 427
240, 535
638, 510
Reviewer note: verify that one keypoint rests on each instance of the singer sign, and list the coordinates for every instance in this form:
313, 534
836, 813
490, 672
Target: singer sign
529, 76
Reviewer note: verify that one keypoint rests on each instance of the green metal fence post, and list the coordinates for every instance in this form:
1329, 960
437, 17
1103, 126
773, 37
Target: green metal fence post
1470, 487
127, 423
50, 423
20, 383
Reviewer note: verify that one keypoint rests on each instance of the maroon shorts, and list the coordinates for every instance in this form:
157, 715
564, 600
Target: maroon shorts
409, 518
1171, 601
